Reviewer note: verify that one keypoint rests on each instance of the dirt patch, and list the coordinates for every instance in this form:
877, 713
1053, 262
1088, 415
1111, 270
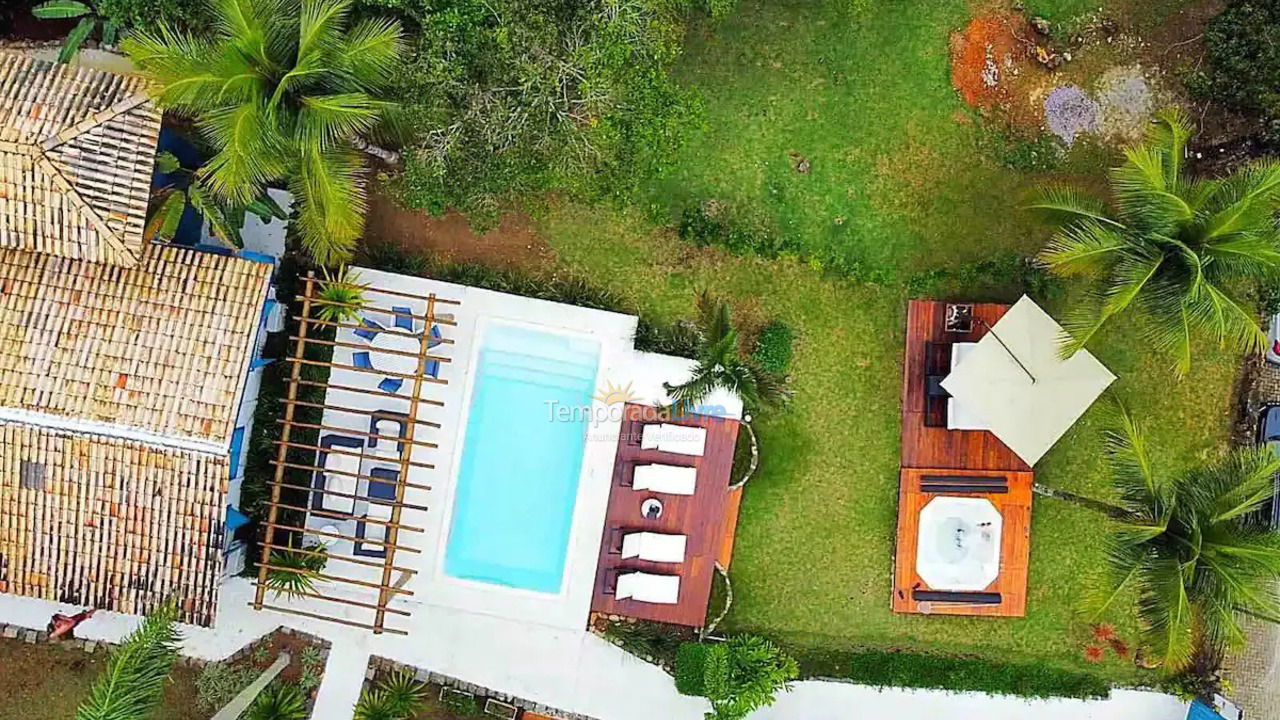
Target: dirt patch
514, 242
984, 55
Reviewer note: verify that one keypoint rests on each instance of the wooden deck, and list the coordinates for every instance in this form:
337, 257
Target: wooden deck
708, 518
1015, 544
926, 441
930, 450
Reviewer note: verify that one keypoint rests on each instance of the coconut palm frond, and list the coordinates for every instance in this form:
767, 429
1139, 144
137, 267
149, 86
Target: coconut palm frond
370, 53
341, 296
1130, 462
1164, 605
1063, 204
251, 152
295, 573
331, 204
1169, 135
1229, 320
325, 120
132, 684
1086, 248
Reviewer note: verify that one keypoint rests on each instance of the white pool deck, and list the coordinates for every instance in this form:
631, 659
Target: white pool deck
531, 645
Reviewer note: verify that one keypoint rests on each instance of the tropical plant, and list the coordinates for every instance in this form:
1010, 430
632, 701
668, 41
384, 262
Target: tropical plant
1183, 251
219, 682
737, 676
1189, 545
397, 697
294, 573
168, 202
341, 296
284, 89
279, 701
132, 684
68, 9
721, 365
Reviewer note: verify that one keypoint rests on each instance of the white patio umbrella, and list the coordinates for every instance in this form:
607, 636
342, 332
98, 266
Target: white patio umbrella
1015, 381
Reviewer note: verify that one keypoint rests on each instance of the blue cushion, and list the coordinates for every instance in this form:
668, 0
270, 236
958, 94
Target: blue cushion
435, 336
362, 360
433, 368
384, 488
404, 317
390, 385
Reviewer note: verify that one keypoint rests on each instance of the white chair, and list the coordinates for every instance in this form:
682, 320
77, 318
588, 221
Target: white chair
653, 547
340, 470
678, 439
670, 479
648, 587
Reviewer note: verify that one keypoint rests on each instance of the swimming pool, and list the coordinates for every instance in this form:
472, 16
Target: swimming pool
517, 479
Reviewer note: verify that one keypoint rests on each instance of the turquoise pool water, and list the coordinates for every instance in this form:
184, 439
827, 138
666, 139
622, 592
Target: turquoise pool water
517, 480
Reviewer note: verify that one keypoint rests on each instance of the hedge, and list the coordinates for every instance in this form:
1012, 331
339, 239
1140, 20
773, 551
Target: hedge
884, 668
691, 660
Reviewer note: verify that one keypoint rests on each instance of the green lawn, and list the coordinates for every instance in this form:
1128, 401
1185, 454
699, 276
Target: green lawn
861, 90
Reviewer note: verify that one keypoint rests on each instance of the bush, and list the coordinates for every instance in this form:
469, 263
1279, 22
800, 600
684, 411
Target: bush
1242, 61
522, 96
773, 347
691, 661
280, 701
464, 705
884, 668
150, 14
708, 225
1001, 278
218, 683
644, 639
737, 676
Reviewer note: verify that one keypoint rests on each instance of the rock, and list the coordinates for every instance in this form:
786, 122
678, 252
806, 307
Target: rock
10, 632
1040, 25
29, 637
90, 646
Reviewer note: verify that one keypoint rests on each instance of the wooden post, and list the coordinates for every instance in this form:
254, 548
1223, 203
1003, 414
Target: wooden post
283, 451
393, 532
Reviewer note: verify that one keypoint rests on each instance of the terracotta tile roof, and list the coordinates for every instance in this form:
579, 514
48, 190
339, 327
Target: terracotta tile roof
162, 347
110, 523
77, 148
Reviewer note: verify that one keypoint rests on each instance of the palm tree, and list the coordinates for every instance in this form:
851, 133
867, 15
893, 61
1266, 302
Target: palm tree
1182, 251
132, 684
1190, 545
283, 90
721, 364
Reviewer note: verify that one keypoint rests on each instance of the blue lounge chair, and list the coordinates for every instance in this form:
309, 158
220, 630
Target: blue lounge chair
404, 317
391, 385
435, 337
362, 360
369, 331
433, 368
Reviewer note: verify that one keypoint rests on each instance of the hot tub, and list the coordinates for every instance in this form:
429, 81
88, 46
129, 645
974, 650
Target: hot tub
959, 543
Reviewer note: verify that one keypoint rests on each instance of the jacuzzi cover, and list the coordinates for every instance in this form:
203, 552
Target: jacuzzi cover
959, 543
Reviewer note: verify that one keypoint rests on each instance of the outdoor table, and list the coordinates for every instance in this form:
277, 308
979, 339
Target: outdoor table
392, 362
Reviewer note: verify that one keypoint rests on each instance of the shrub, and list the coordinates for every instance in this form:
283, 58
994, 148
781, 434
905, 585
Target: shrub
218, 683
691, 662
523, 96
1242, 61
459, 704
279, 701
1004, 277
708, 224
773, 347
884, 668
738, 676
645, 639
150, 14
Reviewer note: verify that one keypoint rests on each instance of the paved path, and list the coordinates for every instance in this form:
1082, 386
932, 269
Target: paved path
839, 701
575, 671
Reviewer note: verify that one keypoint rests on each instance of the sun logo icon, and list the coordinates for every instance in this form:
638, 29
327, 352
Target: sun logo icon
612, 394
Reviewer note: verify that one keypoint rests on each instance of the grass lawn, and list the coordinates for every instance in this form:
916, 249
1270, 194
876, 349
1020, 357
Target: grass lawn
861, 90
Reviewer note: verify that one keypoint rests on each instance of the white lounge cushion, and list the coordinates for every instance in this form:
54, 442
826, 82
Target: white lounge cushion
648, 587
653, 547
342, 479
678, 439
671, 479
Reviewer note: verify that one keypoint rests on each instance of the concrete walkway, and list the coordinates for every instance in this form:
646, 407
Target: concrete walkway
574, 671
839, 701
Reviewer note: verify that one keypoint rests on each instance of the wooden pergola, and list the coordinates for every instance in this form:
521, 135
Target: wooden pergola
294, 487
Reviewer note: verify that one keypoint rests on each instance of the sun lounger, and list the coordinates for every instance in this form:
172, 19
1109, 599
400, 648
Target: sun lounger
670, 479
653, 547
647, 587
391, 385
678, 439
